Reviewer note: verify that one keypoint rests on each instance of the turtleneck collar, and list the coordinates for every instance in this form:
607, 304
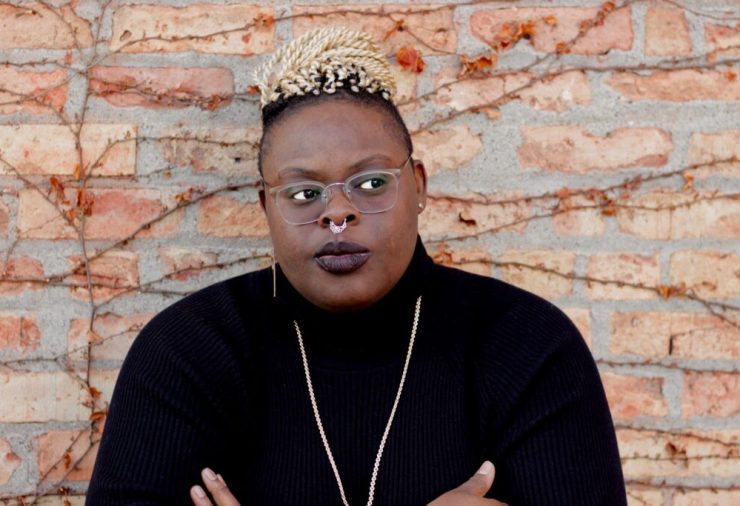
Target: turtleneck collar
367, 337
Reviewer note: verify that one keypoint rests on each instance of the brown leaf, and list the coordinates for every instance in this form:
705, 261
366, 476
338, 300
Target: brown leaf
184, 197
410, 59
397, 27
94, 392
689, 178
563, 193
253, 90
98, 416
467, 219
57, 187
85, 201
476, 66
77, 174
67, 459
551, 20
264, 21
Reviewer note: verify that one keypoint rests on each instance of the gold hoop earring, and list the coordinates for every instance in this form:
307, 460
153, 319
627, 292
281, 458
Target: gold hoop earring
274, 274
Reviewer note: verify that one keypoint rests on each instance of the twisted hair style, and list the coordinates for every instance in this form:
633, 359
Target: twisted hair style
325, 63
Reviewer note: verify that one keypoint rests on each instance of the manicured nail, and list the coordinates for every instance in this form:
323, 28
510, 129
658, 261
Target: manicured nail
209, 474
199, 492
486, 468
221, 479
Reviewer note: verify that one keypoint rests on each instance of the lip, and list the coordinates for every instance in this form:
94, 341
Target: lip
341, 257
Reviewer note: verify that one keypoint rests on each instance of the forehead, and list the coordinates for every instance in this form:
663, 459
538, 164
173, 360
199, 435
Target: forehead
330, 134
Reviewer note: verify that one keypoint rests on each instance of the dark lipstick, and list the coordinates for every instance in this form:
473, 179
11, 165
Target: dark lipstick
341, 257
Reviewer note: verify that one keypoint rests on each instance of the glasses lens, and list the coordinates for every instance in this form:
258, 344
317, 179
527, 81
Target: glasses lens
373, 191
300, 203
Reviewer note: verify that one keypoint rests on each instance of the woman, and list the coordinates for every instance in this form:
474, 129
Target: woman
356, 370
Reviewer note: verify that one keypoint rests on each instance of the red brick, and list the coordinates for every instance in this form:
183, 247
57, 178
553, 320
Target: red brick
430, 28
20, 268
581, 318
41, 397
29, 91
664, 214
51, 149
639, 495
706, 497
225, 149
579, 222
652, 454
666, 32
36, 26
104, 381
723, 40
80, 451
714, 394
114, 273
713, 148
4, 219
9, 462
223, 216
473, 260
446, 149
204, 28
472, 215
173, 87
182, 264
633, 396
19, 332
48, 500
622, 268
676, 85
681, 335
614, 33
524, 269
709, 274
573, 149
111, 336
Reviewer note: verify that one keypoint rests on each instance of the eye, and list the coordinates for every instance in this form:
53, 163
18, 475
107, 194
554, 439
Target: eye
371, 182
303, 194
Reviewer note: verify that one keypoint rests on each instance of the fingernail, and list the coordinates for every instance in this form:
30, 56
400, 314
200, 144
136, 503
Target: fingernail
210, 474
199, 492
486, 468
221, 479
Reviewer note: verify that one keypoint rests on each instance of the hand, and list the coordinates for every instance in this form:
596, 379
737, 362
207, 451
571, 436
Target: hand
218, 489
472, 492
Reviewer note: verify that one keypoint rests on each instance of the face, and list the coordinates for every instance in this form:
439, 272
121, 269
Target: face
328, 142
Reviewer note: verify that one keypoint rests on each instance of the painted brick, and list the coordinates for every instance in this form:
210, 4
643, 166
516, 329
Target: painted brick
558, 93
666, 32
681, 335
723, 40
706, 497
223, 216
622, 268
50, 149
4, 219
182, 264
581, 318
20, 268
115, 214
430, 28
614, 33
680, 215
473, 260
648, 453
472, 215
40, 397
206, 28
446, 149
47, 500
52, 447
226, 150
633, 396
174, 87
545, 284
105, 382
573, 149
18, 332
712, 148
676, 85
113, 273
9, 462
578, 222
35, 92
710, 394
36, 26
111, 337
710, 274
638, 495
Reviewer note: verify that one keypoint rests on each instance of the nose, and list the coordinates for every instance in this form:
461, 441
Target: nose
338, 206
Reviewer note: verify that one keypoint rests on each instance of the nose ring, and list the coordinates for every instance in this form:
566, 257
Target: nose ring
337, 229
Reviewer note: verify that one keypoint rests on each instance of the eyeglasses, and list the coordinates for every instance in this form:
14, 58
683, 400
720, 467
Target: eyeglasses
371, 191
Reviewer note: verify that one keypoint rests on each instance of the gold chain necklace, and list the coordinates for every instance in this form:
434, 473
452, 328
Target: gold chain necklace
316, 415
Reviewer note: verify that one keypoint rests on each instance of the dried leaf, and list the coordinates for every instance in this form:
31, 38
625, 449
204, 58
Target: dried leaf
94, 392
689, 181
551, 20
253, 90
467, 219
397, 27
57, 187
67, 459
85, 201
476, 66
264, 21
410, 59
184, 197
563, 193
98, 416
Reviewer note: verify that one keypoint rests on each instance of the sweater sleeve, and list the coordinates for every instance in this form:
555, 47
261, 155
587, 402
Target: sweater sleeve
553, 437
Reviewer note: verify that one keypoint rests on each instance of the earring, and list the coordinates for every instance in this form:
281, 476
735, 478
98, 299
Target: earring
421, 206
274, 274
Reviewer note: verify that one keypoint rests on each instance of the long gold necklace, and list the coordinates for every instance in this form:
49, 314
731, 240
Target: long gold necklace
316, 415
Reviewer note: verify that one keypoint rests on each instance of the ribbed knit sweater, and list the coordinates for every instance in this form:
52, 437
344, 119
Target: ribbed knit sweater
496, 373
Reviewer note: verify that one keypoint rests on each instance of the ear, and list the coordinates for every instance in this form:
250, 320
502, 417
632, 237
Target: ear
420, 175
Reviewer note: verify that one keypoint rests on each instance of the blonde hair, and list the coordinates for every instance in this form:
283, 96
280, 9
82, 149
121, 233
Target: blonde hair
322, 60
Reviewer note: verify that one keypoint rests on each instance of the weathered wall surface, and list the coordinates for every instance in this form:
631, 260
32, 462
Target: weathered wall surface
586, 151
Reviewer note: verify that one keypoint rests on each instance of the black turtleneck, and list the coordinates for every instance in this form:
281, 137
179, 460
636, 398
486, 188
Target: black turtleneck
496, 373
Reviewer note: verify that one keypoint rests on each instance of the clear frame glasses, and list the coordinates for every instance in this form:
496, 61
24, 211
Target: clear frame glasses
371, 191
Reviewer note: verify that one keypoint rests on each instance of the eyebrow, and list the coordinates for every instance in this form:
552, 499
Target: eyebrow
313, 174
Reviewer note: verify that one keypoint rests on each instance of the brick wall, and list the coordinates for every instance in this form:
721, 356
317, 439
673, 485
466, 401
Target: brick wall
586, 152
